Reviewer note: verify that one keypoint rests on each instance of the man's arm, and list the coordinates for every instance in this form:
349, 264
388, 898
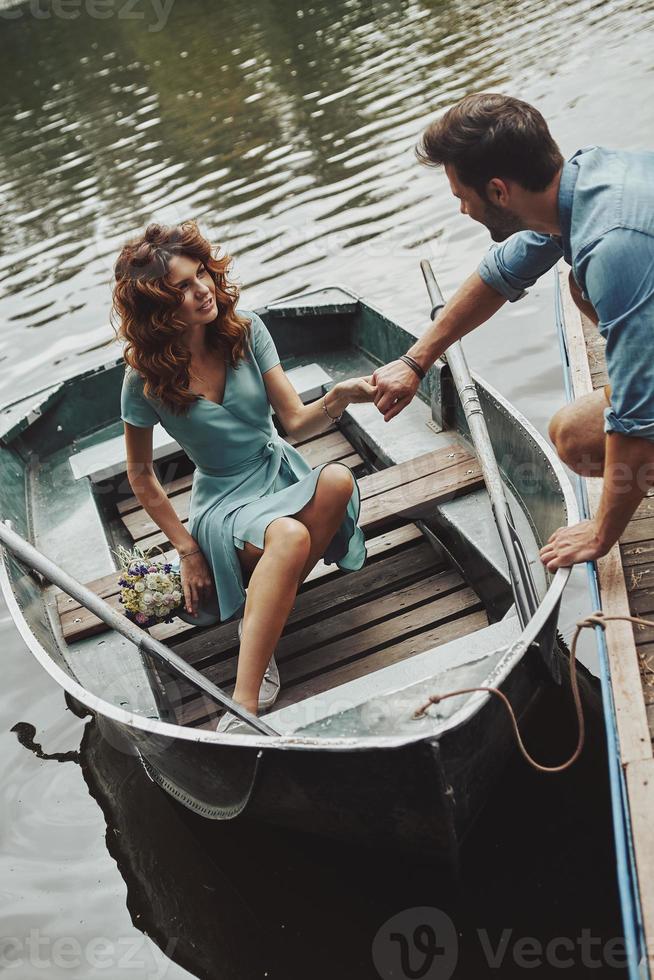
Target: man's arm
472, 304
616, 273
504, 273
628, 471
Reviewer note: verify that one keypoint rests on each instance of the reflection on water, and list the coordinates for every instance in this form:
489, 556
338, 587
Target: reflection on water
288, 131
233, 900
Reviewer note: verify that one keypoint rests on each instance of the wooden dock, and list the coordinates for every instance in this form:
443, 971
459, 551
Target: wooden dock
626, 583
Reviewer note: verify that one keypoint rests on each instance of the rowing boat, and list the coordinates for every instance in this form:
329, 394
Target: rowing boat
430, 612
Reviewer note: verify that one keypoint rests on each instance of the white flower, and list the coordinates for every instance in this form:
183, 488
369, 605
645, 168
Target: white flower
152, 580
177, 596
139, 587
147, 598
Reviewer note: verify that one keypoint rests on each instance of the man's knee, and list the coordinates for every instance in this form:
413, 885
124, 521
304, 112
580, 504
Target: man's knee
572, 436
563, 430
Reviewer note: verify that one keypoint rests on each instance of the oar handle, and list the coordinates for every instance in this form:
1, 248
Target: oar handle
25, 552
434, 290
524, 590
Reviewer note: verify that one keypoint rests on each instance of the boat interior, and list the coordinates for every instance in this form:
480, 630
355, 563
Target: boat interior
431, 610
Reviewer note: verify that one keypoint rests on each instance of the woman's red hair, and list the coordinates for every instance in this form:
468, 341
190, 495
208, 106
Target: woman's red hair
145, 304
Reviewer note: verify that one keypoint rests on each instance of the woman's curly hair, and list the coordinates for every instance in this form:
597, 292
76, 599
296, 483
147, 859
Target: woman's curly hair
145, 304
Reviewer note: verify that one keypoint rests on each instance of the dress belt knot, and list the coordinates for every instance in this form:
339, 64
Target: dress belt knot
268, 449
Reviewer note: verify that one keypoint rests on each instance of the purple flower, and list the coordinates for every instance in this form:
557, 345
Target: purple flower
152, 568
141, 618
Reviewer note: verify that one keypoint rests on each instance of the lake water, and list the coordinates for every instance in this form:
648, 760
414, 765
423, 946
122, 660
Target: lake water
287, 131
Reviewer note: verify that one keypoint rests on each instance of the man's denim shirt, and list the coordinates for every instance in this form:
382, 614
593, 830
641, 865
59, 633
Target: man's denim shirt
606, 215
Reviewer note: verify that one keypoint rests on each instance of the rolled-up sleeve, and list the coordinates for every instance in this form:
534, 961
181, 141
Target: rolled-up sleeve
514, 265
618, 276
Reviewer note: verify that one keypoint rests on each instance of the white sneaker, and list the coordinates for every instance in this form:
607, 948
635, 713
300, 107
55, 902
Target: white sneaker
270, 685
233, 725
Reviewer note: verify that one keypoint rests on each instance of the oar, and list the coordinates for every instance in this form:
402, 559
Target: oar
33, 558
522, 583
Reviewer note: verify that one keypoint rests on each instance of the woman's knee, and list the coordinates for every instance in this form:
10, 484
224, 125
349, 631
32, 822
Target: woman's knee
290, 536
337, 480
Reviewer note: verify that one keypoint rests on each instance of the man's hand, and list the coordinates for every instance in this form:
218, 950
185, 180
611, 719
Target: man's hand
396, 384
570, 545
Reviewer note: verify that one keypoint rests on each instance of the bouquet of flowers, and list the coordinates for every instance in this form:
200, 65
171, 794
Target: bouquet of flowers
150, 591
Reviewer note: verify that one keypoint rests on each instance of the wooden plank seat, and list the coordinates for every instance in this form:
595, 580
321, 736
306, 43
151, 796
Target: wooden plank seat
387, 496
405, 490
394, 608
106, 459
328, 449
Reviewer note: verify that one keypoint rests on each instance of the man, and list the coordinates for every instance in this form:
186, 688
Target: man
596, 210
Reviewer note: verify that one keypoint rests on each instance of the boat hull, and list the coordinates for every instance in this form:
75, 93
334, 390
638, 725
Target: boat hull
421, 798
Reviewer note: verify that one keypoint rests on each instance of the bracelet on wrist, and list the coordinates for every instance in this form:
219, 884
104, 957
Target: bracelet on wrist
332, 418
187, 554
413, 364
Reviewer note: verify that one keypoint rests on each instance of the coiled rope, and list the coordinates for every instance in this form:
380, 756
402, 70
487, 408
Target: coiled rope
595, 619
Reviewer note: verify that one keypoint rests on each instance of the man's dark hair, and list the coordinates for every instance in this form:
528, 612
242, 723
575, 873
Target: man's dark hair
487, 135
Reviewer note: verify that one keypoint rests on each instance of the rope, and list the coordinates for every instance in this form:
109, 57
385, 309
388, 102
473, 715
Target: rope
595, 619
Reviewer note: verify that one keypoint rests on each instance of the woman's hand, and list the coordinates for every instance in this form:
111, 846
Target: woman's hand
197, 581
356, 390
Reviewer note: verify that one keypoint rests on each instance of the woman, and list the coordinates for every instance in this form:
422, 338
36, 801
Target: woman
259, 516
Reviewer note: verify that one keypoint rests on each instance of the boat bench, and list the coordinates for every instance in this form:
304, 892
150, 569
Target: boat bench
106, 459
391, 499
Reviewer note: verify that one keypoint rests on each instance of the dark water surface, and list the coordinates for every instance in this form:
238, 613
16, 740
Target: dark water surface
288, 132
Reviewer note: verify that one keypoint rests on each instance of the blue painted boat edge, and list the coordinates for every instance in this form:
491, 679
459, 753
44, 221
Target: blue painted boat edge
632, 919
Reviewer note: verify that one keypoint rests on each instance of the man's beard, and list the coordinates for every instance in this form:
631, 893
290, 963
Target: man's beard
500, 222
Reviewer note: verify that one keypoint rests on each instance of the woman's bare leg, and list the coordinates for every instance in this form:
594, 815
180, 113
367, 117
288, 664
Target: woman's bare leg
292, 546
271, 593
322, 516
324, 513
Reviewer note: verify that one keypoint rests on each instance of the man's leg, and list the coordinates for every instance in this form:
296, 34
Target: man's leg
577, 431
586, 308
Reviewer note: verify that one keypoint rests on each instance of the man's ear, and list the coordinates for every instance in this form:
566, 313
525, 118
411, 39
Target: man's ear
497, 191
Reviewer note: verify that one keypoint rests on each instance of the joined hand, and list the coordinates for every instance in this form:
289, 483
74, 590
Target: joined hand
396, 384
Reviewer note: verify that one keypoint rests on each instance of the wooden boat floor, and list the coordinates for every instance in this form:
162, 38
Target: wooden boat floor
405, 601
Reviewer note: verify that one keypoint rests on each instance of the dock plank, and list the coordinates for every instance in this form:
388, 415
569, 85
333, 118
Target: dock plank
626, 587
586, 354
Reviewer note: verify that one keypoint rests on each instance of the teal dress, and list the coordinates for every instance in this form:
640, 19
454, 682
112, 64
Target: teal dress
246, 475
